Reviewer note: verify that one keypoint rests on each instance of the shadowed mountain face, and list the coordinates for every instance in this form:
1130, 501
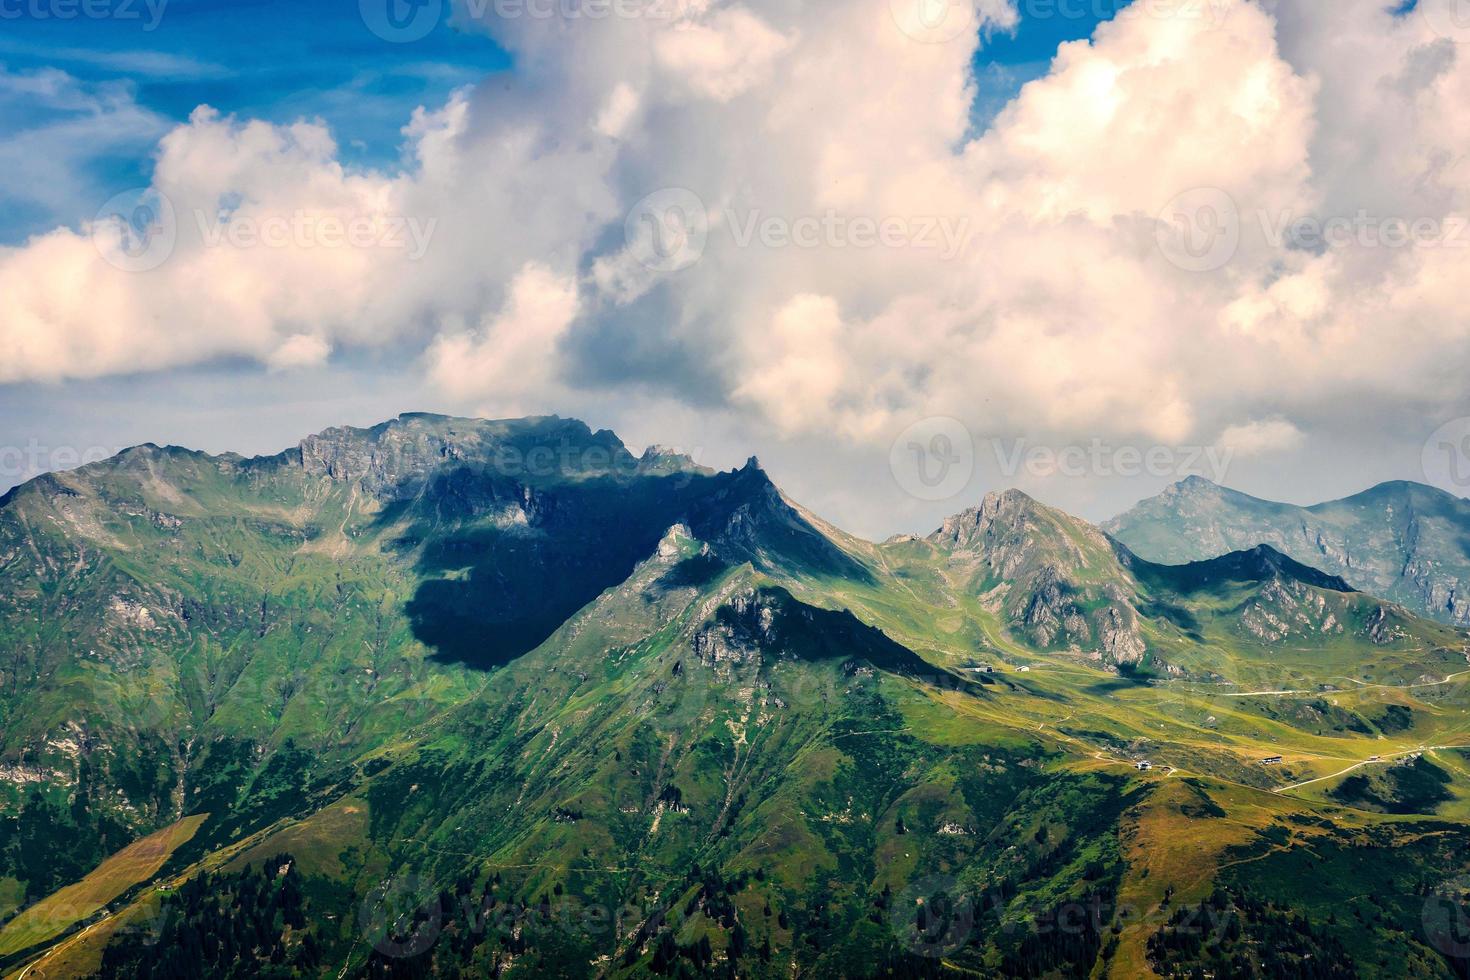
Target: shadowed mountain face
1402, 541
497, 668
1260, 564
506, 562
513, 526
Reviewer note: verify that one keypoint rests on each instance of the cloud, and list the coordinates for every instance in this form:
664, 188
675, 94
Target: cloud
720, 57
56, 128
159, 64
1261, 438
302, 350
1137, 259
244, 257
618, 111
511, 360
796, 365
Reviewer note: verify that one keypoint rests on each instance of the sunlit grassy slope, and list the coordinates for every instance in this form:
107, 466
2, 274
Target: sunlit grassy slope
710, 732
132, 865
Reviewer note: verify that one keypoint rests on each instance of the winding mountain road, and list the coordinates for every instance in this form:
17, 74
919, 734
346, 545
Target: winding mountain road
1367, 762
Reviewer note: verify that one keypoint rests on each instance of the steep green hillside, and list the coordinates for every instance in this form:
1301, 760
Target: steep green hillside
187, 632
460, 698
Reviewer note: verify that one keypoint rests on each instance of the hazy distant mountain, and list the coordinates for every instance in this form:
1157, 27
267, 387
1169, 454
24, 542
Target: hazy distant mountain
1403, 541
450, 697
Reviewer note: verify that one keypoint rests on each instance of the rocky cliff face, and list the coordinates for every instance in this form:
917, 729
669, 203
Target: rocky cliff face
1057, 579
396, 458
1010, 532
755, 625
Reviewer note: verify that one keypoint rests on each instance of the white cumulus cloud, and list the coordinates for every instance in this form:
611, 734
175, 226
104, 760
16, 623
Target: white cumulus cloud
1260, 438
1085, 291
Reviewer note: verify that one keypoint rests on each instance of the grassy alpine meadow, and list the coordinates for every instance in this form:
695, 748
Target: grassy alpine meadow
135, 863
393, 704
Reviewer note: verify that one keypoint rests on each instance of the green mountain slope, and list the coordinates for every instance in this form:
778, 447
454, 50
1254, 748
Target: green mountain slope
176, 624
450, 697
1402, 541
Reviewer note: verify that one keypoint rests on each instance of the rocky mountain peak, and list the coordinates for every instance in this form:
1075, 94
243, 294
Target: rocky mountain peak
1193, 485
399, 455
657, 453
1009, 510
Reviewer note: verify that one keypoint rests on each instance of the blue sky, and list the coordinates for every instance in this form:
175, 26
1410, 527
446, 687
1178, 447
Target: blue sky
1010, 60
277, 60
86, 99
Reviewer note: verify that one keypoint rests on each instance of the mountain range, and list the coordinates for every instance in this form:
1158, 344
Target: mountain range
454, 697
1403, 541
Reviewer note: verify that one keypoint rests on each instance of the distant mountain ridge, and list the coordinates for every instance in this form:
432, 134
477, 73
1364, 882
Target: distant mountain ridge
1062, 584
1402, 541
